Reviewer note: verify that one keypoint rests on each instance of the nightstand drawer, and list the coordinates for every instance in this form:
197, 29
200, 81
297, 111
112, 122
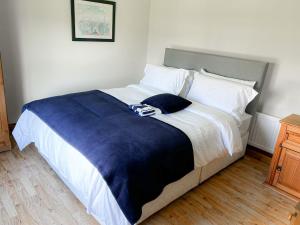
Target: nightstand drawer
291, 145
294, 137
293, 129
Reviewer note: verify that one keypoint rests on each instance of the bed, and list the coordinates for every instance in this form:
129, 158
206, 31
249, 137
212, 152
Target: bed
206, 127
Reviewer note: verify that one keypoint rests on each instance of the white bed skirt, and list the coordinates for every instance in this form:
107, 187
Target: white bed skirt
175, 190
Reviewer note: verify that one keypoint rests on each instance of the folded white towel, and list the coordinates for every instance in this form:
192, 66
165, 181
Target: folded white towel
146, 114
142, 110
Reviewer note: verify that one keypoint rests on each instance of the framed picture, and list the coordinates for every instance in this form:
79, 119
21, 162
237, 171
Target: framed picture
93, 20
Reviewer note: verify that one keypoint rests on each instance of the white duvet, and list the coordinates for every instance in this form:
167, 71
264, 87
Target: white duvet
212, 133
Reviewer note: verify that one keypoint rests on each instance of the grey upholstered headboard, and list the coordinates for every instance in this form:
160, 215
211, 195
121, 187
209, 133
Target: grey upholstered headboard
244, 69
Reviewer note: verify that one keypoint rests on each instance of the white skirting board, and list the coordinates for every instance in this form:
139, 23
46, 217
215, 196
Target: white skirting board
264, 132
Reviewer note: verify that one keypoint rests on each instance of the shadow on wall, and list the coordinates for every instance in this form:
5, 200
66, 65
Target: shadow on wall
270, 76
11, 59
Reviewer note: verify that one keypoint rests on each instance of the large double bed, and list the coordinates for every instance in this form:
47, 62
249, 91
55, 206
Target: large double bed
213, 134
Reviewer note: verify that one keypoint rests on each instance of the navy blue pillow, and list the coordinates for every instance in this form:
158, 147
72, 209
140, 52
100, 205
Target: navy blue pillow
167, 103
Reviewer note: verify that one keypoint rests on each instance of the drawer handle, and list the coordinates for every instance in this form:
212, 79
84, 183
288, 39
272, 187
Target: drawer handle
279, 168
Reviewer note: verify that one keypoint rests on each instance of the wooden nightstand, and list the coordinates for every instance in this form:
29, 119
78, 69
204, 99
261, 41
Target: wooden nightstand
5, 143
285, 166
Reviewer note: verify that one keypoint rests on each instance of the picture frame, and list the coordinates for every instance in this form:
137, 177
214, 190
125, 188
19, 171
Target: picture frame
93, 20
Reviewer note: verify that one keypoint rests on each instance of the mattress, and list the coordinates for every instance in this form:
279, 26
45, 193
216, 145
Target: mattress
210, 142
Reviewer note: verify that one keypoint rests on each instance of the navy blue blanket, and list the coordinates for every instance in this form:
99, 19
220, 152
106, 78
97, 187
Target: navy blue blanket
136, 156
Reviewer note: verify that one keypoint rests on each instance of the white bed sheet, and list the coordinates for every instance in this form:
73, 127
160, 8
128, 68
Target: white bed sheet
210, 131
245, 124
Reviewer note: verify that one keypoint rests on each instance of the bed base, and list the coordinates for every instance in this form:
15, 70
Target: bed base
175, 190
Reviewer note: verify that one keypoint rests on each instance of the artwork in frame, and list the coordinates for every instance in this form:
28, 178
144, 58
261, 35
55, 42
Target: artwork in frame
93, 20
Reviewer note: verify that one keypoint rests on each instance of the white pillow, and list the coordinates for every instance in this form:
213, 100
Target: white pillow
167, 79
245, 82
187, 84
225, 95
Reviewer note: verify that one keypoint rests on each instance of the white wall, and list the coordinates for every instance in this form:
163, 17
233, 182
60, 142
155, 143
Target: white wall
40, 60
268, 30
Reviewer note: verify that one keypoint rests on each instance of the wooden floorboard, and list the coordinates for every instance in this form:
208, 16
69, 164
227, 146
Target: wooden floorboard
32, 194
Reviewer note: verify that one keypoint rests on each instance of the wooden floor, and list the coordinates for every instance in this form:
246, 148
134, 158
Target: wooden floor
31, 194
